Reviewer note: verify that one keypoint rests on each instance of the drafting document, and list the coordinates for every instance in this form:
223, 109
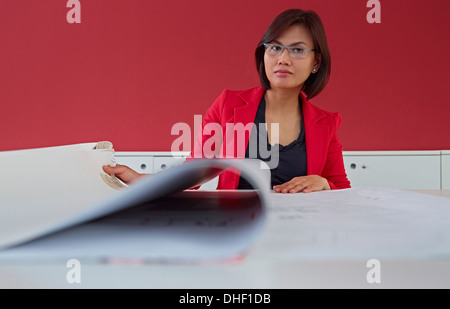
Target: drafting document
366, 222
57, 203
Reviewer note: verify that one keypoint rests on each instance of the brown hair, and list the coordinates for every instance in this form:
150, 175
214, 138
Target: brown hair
315, 82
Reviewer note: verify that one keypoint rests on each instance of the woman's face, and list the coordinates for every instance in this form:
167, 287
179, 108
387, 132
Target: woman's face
285, 71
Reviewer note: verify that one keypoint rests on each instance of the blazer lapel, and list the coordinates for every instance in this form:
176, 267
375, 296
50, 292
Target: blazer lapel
246, 113
316, 135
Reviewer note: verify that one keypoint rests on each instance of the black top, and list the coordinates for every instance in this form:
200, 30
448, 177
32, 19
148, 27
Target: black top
292, 157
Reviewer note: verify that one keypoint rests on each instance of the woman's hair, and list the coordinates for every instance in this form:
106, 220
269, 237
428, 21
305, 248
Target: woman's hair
315, 82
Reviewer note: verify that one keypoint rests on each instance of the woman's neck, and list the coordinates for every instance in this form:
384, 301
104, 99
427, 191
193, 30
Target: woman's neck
282, 100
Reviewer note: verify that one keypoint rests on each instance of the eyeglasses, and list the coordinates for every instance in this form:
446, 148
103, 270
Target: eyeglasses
297, 52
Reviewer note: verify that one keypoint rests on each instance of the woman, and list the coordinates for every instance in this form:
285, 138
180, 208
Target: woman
293, 64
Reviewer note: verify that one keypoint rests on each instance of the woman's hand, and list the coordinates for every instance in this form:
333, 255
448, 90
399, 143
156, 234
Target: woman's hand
123, 172
306, 184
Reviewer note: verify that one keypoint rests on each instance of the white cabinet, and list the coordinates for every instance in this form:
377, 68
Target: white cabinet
445, 169
153, 162
426, 170
142, 164
394, 169
150, 162
163, 162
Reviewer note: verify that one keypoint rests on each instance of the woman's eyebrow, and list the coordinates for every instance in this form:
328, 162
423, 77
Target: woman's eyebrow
293, 44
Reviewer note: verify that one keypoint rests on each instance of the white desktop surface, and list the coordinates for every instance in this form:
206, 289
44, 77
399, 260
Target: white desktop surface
260, 269
443, 193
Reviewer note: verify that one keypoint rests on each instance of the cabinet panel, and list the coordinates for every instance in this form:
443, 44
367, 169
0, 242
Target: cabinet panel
402, 170
162, 162
445, 170
394, 171
141, 164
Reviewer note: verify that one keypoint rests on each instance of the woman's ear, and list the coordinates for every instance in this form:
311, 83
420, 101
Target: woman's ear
317, 62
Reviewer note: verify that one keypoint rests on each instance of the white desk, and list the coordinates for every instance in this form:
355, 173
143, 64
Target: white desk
260, 269
443, 193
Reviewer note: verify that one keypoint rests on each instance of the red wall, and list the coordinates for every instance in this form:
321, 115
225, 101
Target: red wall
134, 68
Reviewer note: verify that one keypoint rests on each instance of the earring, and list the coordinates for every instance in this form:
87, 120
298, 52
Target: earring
314, 70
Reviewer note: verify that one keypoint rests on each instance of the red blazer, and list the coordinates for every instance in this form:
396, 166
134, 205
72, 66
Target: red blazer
323, 149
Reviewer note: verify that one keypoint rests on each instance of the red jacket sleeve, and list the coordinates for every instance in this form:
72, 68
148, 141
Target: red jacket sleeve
334, 170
